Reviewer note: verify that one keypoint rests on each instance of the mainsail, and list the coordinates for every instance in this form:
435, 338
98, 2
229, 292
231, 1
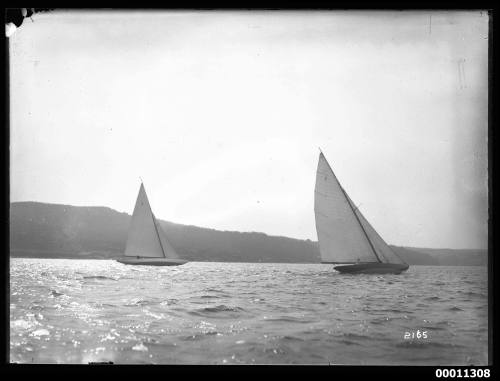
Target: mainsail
146, 238
344, 234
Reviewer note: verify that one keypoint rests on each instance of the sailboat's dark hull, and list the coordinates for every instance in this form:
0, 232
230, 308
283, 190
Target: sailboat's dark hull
151, 261
372, 268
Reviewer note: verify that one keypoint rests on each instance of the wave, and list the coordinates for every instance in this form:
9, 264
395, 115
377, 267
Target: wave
37, 307
55, 294
275, 351
432, 328
348, 342
211, 333
355, 336
380, 321
220, 309
473, 294
291, 338
391, 310
211, 289
198, 336
208, 293
384, 320
21, 324
169, 302
425, 344
101, 305
289, 319
99, 277
432, 298
444, 323
139, 302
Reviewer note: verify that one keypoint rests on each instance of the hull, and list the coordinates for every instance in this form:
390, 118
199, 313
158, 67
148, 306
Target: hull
372, 268
151, 261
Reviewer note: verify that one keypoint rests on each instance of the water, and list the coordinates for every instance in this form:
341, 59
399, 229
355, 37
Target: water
76, 311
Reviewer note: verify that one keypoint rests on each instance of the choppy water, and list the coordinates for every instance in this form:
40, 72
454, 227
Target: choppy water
76, 311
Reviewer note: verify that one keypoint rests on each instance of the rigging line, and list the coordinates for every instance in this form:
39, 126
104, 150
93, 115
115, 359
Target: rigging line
157, 234
360, 224
389, 247
357, 207
154, 223
355, 215
393, 252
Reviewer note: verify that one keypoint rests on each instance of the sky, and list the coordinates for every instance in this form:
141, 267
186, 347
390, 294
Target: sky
222, 114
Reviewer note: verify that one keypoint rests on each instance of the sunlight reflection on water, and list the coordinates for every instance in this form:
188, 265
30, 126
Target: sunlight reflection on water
76, 311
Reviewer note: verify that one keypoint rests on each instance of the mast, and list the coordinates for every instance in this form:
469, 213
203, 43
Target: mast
354, 212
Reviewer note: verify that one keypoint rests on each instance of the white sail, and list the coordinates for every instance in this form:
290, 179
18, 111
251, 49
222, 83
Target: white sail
384, 251
340, 235
168, 250
144, 236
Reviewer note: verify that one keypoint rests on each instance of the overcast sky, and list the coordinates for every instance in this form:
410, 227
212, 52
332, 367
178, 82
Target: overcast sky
222, 113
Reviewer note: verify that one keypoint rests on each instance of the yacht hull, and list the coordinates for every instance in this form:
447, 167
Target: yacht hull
151, 261
372, 268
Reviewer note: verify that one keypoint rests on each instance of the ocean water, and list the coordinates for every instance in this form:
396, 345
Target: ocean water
77, 311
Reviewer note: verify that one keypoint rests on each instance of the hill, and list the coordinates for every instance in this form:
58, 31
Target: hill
65, 231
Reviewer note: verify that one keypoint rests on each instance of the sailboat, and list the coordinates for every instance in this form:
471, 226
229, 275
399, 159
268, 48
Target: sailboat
146, 241
345, 236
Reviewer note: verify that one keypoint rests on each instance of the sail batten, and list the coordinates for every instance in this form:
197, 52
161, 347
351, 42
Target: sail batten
344, 234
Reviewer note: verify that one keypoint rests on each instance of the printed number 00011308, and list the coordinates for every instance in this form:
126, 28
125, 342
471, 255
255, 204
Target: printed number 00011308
463, 373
